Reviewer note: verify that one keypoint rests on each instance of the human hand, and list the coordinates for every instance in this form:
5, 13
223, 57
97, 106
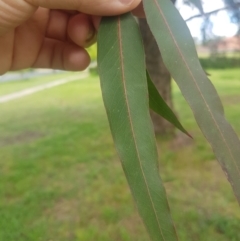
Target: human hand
51, 33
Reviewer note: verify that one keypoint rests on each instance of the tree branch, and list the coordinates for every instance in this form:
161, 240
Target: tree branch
215, 11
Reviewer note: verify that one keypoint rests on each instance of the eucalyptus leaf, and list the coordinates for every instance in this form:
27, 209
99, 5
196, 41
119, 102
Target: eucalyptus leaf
180, 57
122, 73
158, 105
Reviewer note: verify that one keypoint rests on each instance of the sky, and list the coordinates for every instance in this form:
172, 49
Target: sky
222, 25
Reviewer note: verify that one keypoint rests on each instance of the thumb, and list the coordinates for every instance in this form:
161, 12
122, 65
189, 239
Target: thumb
13, 13
93, 7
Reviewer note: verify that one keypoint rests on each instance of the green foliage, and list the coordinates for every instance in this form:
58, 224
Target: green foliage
126, 100
125, 93
226, 225
158, 105
122, 67
220, 62
180, 57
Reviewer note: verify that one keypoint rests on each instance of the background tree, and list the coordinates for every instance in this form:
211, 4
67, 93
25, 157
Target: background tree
128, 95
160, 76
156, 67
231, 6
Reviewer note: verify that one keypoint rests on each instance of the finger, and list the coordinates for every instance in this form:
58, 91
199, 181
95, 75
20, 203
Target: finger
81, 30
6, 50
96, 21
76, 28
57, 25
93, 7
13, 13
55, 54
139, 11
28, 40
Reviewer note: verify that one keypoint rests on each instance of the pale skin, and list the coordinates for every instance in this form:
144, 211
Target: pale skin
52, 33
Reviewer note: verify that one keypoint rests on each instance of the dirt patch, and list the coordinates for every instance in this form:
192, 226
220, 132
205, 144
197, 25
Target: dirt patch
133, 224
180, 141
64, 211
21, 138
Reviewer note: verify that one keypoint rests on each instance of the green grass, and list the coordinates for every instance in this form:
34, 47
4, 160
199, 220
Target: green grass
61, 180
14, 86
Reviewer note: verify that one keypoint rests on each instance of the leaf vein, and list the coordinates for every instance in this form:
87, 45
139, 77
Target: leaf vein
131, 124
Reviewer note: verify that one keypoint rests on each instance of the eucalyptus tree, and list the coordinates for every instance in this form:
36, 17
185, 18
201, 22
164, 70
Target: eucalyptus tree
160, 76
231, 6
128, 93
159, 73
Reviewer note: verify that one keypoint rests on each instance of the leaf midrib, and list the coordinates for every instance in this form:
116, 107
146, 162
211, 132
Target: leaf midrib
195, 82
130, 120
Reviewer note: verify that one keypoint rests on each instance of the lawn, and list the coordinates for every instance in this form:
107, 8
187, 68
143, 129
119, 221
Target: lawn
61, 180
14, 86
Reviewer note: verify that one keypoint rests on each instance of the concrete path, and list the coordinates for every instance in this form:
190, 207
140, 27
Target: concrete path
30, 91
18, 76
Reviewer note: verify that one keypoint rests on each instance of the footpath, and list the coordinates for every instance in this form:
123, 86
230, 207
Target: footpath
32, 90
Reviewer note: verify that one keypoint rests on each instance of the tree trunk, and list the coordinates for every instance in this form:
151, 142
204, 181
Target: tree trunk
160, 76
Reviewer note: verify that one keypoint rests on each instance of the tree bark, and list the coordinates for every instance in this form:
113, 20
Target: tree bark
160, 76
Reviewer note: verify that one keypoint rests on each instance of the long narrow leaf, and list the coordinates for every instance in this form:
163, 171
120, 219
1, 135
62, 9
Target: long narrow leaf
179, 54
124, 89
158, 105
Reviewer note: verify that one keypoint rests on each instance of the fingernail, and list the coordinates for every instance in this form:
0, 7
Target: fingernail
92, 38
126, 2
